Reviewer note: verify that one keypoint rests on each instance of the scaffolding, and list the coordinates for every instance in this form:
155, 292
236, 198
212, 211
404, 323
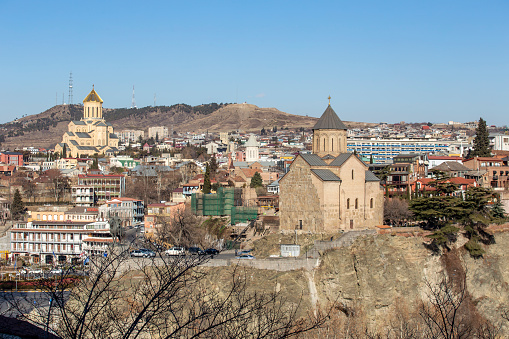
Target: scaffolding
227, 201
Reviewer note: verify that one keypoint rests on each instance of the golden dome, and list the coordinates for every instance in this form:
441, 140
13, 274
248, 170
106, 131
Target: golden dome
93, 97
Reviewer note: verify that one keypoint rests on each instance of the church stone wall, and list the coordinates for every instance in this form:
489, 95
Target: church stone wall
299, 199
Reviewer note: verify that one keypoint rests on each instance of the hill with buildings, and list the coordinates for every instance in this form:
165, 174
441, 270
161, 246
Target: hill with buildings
46, 129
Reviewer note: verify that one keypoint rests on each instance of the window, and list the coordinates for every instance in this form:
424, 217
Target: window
356, 203
371, 203
352, 174
348, 203
332, 141
324, 144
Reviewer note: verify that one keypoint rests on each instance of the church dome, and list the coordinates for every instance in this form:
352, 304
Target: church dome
93, 97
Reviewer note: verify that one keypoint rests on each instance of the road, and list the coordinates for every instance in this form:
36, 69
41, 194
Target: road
24, 302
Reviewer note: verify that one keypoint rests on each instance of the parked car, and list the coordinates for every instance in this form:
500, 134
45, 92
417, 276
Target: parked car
245, 256
244, 252
175, 251
195, 251
56, 271
143, 253
148, 253
211, 251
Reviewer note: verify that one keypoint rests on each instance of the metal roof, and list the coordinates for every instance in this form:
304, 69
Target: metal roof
340, 159
329, 120
313, 159
327, 157
82, 135
78, 122
325, 175
93, 97
370, 176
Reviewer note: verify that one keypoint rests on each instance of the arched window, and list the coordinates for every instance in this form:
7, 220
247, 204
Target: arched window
348, 203
371, 203
332, 144
352, 174
324, 144
356, 203
88, 111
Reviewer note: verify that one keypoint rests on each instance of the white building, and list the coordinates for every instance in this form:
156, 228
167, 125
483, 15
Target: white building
132, 135
160, 132
130, 211
500, 142
53, 241
252, 149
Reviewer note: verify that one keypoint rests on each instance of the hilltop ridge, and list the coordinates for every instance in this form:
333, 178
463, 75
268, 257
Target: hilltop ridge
45, 129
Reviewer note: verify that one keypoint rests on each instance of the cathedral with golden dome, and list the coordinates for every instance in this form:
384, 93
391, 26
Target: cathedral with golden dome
90, 135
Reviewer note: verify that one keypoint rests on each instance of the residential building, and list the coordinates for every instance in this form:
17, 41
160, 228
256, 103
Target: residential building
83, 195
12, 158
48, 241
129, 210
106, 186
497, 170
158, 132
131, 135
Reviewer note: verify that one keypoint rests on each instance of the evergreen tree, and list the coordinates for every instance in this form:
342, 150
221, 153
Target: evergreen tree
64, 152
17, 206
256, 180
481, 141
206, 180
213, 166
497, 211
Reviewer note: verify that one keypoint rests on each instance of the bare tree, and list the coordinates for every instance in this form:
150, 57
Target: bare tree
162, 298
396, 211
446, 314
181, 229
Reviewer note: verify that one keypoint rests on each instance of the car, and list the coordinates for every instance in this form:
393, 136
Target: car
245, 256
195, 251
56, 271
175, 251
210, 251
148, 253
143, 253
244, 252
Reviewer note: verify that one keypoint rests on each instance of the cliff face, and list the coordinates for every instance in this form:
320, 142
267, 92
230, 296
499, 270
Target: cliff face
379, 274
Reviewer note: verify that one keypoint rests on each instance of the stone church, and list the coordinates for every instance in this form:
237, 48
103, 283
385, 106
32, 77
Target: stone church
92, 134
330, 189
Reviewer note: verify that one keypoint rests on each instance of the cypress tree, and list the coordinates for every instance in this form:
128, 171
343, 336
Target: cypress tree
206, 180
256, 180
17, 206
481, 141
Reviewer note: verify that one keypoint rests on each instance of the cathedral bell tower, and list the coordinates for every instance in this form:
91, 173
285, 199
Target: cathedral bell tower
92, 106
329, 134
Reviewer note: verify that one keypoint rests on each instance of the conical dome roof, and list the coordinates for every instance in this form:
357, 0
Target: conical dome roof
329, 120
252, 141
93, 97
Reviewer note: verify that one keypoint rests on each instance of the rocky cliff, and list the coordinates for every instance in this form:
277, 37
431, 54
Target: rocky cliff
381, 276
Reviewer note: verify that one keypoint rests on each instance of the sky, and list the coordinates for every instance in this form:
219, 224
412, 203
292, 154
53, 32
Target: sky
390, 61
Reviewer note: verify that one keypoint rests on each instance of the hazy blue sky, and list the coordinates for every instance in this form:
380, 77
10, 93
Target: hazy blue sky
379, 60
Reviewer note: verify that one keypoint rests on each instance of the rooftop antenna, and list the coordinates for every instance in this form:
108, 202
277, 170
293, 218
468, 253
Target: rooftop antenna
133, 103
63, 103
70, 89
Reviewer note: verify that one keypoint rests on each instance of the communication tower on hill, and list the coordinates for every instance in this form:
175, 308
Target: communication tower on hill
70, 89
133, 103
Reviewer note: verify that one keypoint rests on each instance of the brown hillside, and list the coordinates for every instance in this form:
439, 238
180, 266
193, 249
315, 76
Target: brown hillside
46, 129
